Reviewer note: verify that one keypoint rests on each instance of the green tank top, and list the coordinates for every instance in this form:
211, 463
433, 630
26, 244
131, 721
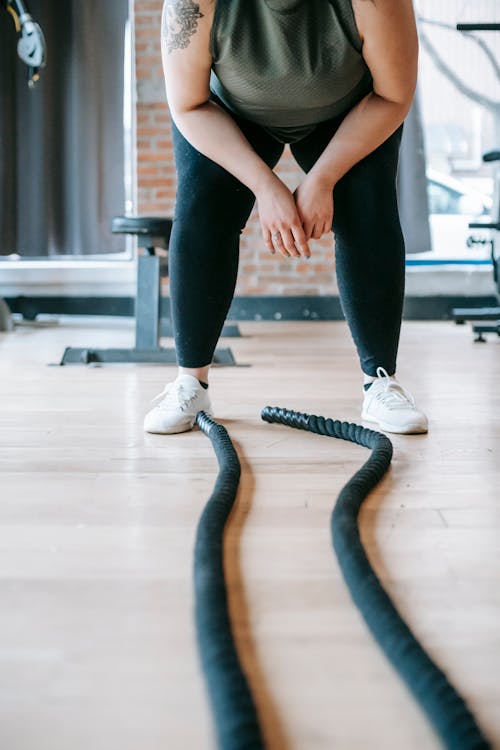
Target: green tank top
287, 64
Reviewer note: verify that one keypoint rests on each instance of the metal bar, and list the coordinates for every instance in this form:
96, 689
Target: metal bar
485, 225
147, 302
478, 313
478, 26
87, 356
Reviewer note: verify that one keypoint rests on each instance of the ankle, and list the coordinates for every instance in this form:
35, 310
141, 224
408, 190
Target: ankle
200, 373
368, 380
372, 378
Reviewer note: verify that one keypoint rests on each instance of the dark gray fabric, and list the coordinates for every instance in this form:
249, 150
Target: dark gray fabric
287, 65
62, 145
412, 183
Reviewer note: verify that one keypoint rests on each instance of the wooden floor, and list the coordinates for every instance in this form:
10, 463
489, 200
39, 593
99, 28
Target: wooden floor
97, 524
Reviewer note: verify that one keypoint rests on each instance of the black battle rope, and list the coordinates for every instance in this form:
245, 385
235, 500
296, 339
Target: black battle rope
233, 707
445, 708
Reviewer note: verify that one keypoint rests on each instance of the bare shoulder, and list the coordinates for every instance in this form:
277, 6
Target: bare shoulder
370, 15
185, 49
183, 20
390, 45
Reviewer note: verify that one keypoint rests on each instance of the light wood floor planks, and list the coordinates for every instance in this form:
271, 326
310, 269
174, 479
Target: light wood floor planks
97, 526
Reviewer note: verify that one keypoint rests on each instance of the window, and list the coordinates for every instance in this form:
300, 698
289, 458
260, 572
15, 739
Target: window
459, 89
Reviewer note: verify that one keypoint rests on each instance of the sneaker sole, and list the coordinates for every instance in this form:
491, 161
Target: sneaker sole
183, 428
410, 429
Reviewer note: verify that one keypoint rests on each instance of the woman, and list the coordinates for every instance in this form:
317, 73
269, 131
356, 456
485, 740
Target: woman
334, 79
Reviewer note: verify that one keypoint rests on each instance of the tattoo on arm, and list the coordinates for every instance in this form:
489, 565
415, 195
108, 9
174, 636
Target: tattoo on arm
179, 23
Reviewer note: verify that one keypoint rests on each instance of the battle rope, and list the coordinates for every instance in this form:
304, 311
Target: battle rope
445, 708
233, 708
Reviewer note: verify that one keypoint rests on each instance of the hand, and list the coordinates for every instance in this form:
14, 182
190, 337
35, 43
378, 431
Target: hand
314, 201
278, 214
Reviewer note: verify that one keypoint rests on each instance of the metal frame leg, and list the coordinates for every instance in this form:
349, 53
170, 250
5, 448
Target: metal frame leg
147, 302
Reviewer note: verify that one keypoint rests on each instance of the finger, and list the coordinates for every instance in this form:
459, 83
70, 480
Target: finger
278, 242
301, 241
316, 233
289, 242
268, 241
307, 230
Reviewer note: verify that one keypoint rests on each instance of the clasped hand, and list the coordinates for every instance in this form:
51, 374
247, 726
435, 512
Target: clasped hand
289, 220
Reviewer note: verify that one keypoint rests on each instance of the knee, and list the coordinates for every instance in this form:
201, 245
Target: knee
214, 203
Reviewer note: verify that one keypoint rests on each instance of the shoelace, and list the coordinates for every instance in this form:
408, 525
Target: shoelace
392, 393
183, 398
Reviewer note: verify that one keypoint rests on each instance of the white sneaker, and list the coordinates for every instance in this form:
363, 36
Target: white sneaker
183, 398
392, 407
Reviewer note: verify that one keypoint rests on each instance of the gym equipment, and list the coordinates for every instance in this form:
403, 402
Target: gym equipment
461, 314
478, 26
6, 321
152, 232
233, 707
445, 708
31, 47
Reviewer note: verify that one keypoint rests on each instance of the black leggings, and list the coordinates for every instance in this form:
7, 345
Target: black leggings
213, 206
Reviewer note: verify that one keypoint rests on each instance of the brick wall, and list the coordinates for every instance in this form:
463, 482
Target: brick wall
260, 273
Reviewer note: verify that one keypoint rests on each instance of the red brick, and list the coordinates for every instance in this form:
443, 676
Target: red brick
157, 156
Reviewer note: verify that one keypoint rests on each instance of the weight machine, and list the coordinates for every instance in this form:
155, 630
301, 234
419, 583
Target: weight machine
152, 233
31, 47
483, 314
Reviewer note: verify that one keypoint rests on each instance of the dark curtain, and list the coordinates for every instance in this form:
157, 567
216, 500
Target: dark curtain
62, 144
412, 183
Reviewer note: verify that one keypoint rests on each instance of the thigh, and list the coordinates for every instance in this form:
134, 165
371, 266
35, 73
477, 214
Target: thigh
205, 189
365, 199
367, 192
307, 151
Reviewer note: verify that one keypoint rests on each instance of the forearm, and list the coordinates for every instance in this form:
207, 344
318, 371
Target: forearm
363, 129
214, 133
